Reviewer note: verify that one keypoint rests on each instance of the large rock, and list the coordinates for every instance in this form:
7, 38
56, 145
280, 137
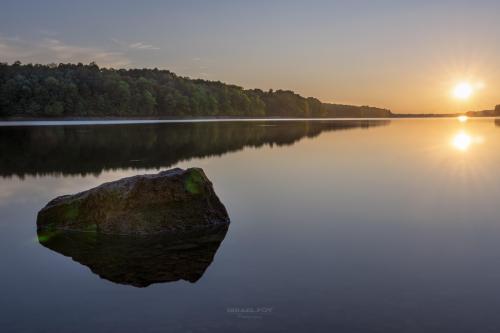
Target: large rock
171, 201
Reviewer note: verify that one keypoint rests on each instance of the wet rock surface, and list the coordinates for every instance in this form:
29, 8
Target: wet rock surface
171, 201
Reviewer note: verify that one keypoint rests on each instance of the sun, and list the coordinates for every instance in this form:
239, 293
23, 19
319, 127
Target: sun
463, 90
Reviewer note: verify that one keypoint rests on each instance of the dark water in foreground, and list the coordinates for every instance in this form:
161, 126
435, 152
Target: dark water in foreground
337, 226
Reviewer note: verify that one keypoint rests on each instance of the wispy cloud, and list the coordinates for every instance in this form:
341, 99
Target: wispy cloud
142, 46
48, 32
134, 46
50, 50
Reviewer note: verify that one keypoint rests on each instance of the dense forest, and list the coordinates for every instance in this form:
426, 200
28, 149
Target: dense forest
78, 90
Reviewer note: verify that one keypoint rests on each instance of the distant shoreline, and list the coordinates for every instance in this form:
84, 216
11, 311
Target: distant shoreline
124, 121
171, 118
77, 92
393, 116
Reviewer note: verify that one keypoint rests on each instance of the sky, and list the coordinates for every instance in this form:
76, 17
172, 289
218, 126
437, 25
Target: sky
405, 55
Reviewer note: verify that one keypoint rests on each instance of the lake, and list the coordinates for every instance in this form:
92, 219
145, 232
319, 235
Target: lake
336, 226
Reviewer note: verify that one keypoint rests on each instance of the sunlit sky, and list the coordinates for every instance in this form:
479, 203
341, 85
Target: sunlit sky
408, 56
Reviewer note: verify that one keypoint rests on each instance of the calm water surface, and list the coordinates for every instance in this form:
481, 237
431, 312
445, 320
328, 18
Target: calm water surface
336, 226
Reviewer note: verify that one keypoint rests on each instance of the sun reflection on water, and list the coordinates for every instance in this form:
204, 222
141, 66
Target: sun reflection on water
462, 141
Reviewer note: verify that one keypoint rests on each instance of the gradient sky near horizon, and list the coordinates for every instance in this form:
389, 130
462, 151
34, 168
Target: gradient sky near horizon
402, 55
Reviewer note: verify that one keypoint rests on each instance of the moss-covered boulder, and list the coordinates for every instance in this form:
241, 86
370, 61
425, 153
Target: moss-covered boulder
171, 201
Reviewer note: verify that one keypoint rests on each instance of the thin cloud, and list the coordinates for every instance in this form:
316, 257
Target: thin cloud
50, 50
142, 46
47, 32
134, 46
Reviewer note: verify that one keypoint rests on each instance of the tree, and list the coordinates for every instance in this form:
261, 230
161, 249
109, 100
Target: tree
54, 109
58, 90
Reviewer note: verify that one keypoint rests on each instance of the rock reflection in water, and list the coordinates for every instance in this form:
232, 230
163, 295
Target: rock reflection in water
140, 261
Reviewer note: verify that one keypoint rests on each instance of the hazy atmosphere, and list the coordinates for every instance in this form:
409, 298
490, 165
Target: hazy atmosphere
406, 56
249, 166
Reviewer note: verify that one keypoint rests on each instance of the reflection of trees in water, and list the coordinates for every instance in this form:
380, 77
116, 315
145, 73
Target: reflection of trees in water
497, 122
92, 149
139, 261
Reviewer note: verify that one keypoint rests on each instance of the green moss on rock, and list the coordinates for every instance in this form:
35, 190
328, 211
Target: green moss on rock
173, 200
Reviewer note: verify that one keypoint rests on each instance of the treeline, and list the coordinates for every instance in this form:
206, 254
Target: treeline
78, 90
485, 113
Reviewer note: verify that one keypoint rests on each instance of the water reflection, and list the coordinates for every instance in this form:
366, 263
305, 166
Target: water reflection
385, 230
139, 261
73, 150
462, 141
